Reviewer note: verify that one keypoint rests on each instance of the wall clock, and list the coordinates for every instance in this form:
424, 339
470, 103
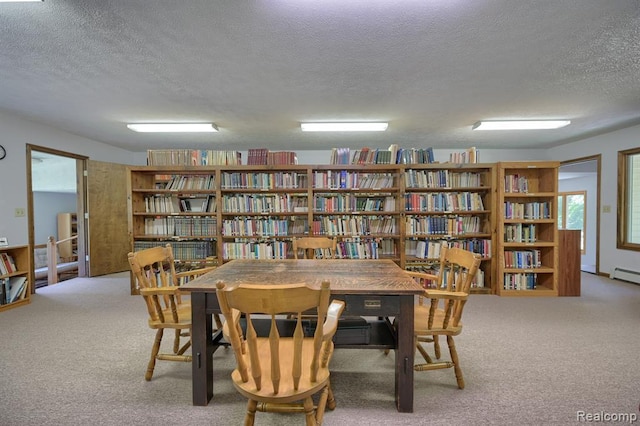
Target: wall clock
3, 152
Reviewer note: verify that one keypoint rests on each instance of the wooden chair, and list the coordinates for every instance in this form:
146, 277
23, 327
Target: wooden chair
277, 373
311, 246
154, 270
442, 316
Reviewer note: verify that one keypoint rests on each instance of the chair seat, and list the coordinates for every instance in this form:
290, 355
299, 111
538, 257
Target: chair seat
184, 318
286, 392
421, 317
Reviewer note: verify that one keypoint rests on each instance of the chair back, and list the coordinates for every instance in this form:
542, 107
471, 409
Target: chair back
315, 247
289, 362
154, 268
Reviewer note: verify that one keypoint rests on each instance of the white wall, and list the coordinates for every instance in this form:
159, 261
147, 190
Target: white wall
608, 145
15, 135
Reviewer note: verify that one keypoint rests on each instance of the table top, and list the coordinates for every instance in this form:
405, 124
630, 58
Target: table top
345, 276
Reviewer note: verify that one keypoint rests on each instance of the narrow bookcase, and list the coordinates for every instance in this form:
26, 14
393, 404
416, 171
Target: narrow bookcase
15, 276
449, 204
527, 229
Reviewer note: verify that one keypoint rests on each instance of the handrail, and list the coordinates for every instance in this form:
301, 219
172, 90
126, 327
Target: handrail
52, 257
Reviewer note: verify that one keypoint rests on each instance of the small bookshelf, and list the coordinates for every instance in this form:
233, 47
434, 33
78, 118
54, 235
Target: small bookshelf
15, 276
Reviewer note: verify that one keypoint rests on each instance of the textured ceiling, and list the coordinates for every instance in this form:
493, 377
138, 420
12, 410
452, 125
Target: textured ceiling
257, 68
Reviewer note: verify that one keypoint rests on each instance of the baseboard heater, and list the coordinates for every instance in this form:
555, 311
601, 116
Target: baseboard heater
624, 274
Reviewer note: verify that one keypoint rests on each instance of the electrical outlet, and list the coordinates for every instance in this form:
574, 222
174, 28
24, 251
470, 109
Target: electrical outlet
20, 212
4, 241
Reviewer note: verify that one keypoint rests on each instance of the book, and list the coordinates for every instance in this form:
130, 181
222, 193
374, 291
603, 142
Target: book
16, 288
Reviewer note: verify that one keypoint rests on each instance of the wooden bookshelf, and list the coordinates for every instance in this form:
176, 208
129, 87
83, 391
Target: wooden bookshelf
452, 204
19, 271
527, 229
374, 211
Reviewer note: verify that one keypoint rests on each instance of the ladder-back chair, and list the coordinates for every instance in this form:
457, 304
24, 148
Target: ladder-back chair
158, 281
315, 247
281, 373
439, 312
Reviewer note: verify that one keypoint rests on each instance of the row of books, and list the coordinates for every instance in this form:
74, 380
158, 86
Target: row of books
262, 181
192, 157
181, 226
523, 281
264, 203
344, 179
520, 233
182, 250
431, 249
7, 264
255, 227
346, 203
262, 156
12, 289
442, 179
442, 225
522, 259
354, 226
516, 183
468, 156
391, 155
532, 210
173, 204
191, 182
444, 202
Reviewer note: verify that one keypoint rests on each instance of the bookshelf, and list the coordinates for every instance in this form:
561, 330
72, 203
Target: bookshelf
15, 276
527, 229
67, 228
375, 211
450, 204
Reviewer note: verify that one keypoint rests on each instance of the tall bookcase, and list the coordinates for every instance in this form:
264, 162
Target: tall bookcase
527, 229
212, 214
17, 274
451, 204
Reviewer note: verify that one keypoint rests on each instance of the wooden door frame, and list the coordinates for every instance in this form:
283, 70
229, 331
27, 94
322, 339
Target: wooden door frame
80, 203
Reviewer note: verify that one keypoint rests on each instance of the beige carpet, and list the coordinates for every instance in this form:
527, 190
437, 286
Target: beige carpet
77, 356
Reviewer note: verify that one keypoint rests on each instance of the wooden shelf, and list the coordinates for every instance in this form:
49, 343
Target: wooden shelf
22, 259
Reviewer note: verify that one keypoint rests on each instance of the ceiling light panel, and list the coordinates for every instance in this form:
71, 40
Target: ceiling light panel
520, 124
344, 127
173, 127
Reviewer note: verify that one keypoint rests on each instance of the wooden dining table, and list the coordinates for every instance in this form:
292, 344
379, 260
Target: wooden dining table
374, 289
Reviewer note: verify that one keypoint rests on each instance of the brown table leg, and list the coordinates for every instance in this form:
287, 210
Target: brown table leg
202, 350
404, 356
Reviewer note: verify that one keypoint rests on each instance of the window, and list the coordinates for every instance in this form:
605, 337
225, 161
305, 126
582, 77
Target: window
629, 199
572, 213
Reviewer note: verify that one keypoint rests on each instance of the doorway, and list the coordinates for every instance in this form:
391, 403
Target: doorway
56, 188
583, 175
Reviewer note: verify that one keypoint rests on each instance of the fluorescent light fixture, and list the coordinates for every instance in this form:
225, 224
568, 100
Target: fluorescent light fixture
520, 124
344, 127
173, 127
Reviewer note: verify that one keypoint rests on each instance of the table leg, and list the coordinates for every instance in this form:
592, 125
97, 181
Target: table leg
404, 355
202, 350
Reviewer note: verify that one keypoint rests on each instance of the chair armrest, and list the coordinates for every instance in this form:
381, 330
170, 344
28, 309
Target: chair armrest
195, 272
331, 323
422, 275
160, 291
443, 294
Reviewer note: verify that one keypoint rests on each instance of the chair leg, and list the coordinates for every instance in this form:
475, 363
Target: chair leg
308, 409
250, 417
456, 363
331, 400
154, 354
218, 321
436, 346
424, 353
176, 342
322, 404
